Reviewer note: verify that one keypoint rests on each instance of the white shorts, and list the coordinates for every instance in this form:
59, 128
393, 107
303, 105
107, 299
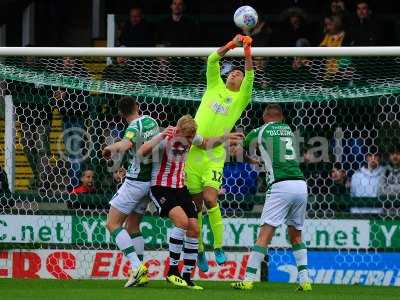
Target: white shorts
131, 197
285, 203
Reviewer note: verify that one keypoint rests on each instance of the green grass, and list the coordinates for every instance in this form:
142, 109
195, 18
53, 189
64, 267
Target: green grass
41, 289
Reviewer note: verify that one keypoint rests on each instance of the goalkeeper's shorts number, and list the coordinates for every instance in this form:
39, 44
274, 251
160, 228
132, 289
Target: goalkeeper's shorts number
216, 176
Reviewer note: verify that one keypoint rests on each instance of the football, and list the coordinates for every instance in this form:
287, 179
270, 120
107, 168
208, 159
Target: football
245, 17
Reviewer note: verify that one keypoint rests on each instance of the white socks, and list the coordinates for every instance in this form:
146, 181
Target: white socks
124, 243
300, 255
257, 255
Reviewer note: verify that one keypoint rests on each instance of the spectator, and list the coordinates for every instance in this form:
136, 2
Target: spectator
390, 184
86, 183
365, 182
365, 30
3, 182
177, 29
293, 31
137, 32
337, 7
335, 35
73, 107
339, 180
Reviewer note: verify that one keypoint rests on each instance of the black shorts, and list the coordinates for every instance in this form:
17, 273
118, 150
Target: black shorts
166, 198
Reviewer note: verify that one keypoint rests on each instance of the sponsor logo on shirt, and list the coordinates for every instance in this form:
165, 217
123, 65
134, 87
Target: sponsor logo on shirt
219, 108
150, 133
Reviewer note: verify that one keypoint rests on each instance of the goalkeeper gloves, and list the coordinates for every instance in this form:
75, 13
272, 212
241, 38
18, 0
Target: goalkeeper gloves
235, 42
247, 41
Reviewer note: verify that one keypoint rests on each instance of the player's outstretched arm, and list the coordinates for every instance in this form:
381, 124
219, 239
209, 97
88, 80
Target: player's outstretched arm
148, 147
235, 42
248, 59
118, 147
213, 69
232, 138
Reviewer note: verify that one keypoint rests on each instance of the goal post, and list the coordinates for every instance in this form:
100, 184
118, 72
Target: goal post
343, 105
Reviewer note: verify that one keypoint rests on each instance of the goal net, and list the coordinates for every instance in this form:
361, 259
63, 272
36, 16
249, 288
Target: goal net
58, 113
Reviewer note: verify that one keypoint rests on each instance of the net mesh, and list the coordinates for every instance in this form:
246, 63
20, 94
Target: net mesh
65, 113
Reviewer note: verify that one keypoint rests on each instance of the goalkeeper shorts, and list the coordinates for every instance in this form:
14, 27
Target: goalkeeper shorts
199, 175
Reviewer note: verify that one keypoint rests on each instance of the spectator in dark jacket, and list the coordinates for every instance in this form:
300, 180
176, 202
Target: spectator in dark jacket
137, 32
177, 29
3, 182
365, 30
390, 184
293, 30
338, 178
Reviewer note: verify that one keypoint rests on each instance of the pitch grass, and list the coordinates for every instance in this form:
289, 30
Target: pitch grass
41, 289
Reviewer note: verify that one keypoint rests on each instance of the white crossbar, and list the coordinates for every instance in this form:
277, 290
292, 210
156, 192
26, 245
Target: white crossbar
201, 52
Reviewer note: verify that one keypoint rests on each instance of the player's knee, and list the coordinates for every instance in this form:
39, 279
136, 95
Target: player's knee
210, 201
182, 223
210, 196
193, 229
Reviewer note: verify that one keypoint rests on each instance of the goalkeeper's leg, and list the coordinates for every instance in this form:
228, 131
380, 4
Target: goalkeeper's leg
210, 195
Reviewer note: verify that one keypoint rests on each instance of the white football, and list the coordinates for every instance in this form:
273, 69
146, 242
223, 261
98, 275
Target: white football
245, 17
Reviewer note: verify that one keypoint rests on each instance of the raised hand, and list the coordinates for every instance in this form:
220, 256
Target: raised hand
168, 132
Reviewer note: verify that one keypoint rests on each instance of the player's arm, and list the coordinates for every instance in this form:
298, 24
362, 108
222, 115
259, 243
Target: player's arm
248, 149
213, 69
118, 147
232, 138
148, 147
246, 87
128, 141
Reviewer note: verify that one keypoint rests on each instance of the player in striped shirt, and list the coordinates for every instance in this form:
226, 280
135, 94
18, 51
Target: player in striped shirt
172, 198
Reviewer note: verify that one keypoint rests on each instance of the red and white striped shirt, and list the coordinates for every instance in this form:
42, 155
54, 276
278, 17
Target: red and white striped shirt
169, 165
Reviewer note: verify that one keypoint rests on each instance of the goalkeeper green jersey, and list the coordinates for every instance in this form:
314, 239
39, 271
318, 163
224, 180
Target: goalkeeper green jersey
275, 142
220, 108
138, 132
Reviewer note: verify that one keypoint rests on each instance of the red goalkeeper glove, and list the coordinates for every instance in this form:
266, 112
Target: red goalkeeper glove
235, 42
247, 41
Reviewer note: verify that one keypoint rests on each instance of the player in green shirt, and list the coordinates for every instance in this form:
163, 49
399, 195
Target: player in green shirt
220, 108
129, 203
286, 197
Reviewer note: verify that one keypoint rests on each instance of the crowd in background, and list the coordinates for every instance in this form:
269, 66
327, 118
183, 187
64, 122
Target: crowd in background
299, 24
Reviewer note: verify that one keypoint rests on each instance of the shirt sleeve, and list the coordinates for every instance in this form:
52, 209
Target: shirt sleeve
131, 134
246, 89
213, 70
198, 140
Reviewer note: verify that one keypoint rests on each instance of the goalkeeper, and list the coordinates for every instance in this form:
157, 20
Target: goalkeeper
221, 106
